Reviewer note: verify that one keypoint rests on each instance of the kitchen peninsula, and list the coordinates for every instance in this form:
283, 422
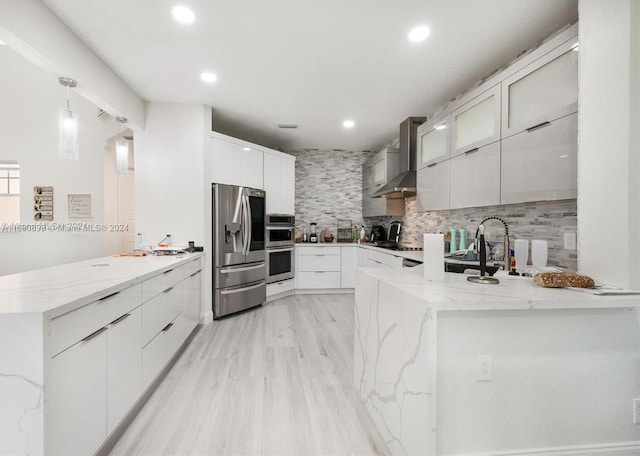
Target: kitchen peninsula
82, 342
459, 368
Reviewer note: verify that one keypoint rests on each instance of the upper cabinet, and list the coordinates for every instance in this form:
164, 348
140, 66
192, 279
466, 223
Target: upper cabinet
279, 182
236, 163
541, 92
376, 172
476, 123
433, 142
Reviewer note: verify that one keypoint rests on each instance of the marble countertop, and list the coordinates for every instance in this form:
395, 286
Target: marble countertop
76, 284
512, 293
416, 255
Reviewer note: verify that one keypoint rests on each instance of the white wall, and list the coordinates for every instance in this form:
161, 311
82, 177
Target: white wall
169, 174
31, 99
609, 124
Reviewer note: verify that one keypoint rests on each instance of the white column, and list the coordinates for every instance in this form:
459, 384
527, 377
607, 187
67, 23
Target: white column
609, 141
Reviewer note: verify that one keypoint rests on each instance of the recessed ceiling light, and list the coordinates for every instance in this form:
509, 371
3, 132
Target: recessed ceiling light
418, 34
348, 124
183, 14
208, 77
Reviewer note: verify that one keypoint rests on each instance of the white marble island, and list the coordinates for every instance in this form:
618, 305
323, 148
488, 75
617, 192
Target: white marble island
563, 367
81, 343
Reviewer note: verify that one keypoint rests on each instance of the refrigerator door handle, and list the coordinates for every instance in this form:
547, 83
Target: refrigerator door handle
249, 268
247, 224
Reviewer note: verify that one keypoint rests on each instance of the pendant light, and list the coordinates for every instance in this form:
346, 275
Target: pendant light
122, 150
67, 127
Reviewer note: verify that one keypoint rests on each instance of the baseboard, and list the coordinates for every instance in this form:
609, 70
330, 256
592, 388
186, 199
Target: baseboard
207, 317
324, 291
276, 296
611, 449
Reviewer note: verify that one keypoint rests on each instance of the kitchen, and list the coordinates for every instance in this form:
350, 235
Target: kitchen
607, 193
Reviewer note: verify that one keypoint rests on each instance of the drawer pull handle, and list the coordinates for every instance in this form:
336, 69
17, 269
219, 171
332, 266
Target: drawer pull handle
167, 328
320, 272
109, 296
431, 165
94, 334
472, 151
118, 320
167, 272
319, 254
195, 274
168, 290
536, 127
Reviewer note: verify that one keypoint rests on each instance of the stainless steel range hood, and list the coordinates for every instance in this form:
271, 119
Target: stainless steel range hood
404, 184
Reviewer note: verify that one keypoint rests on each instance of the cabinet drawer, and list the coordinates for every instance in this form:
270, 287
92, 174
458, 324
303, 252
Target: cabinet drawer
279, 287
160, 350
385, 259
542, 164
73, 326
158, 312
318, 250
311, 280
156, 285
319, 262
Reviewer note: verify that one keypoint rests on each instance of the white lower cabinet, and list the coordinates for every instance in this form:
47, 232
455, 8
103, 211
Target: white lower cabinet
95, 376
124, 366
475, 178
79, 396
277, 288
542, 163
318, 279
157, 353
384, 260
348, 265
320, 267
192, 303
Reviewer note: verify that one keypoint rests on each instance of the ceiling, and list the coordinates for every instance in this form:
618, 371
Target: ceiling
311, 63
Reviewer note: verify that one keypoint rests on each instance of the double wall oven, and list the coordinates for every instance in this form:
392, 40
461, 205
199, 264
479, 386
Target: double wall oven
280, 249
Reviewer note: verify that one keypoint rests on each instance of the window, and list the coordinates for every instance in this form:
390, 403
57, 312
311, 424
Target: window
9, 192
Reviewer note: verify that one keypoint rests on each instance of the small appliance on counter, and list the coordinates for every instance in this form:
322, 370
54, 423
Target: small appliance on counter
313, 236
378, 233
394, 231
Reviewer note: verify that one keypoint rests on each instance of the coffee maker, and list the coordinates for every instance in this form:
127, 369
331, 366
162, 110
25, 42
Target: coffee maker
378, 233
313, 236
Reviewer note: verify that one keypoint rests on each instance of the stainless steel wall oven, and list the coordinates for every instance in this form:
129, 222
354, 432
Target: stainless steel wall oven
279, 238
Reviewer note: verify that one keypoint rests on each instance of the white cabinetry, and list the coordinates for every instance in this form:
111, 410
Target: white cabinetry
236, 163
124, 374
433, 142
432, 186
545, 90
279, 182
475, 178
476, 123
541, 164
95, 370
348, 265
376, 171
383, 260
78, 396
318, 267
192, 301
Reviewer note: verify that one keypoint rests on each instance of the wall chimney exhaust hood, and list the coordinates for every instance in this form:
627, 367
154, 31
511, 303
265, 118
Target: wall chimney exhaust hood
404, 184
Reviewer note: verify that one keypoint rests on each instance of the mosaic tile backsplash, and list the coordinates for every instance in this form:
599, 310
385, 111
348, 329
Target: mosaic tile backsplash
329, 187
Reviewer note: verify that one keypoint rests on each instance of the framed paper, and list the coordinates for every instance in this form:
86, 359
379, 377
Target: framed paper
79, 205
42, 203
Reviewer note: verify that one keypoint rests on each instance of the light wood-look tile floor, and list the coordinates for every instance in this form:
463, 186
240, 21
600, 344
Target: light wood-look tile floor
274, 380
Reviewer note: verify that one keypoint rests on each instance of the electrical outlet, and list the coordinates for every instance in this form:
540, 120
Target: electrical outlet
636, 411
484, 368
570, 242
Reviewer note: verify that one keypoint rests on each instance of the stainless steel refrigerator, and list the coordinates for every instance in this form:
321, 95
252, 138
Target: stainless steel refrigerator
239, 271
